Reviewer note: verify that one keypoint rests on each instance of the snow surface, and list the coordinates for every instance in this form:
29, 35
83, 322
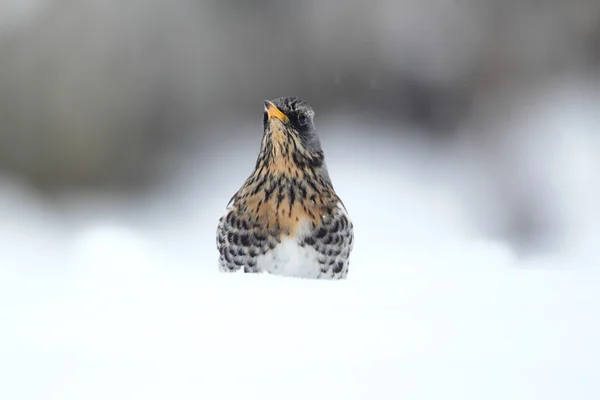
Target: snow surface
111, 299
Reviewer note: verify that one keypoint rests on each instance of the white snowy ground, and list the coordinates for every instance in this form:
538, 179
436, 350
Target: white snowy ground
106, 299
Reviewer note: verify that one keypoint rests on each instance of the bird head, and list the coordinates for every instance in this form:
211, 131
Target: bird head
289, 130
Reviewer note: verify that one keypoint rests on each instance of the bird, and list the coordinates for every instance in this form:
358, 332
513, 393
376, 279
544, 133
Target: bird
286, 219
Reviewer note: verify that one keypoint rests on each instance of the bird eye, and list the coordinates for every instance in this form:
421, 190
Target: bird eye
302, 118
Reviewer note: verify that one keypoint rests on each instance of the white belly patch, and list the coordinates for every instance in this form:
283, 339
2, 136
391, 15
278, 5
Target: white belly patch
288, 258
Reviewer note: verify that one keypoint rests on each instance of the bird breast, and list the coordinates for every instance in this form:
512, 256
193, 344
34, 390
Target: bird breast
284, 208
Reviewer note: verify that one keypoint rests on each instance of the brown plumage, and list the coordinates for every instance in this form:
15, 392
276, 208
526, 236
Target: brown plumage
286, 218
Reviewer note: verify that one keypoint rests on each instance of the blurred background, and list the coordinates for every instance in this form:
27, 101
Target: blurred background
474, 118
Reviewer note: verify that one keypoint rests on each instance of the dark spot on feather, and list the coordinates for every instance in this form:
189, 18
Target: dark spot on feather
268, 193
343, 222
238, 261
231, 218
280, 197
259, 236
302, 192
245, 239
338, 268
292, 199
321, 233
336, 226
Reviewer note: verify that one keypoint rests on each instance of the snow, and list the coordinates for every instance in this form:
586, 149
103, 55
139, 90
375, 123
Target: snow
117, 299
162, 334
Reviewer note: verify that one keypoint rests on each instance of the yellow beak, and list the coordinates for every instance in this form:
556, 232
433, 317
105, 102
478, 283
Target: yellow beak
274, 112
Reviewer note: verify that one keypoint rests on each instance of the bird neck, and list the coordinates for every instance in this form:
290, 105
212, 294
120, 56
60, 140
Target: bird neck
282, 155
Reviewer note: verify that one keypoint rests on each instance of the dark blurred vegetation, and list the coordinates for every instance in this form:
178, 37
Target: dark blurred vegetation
95, 92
